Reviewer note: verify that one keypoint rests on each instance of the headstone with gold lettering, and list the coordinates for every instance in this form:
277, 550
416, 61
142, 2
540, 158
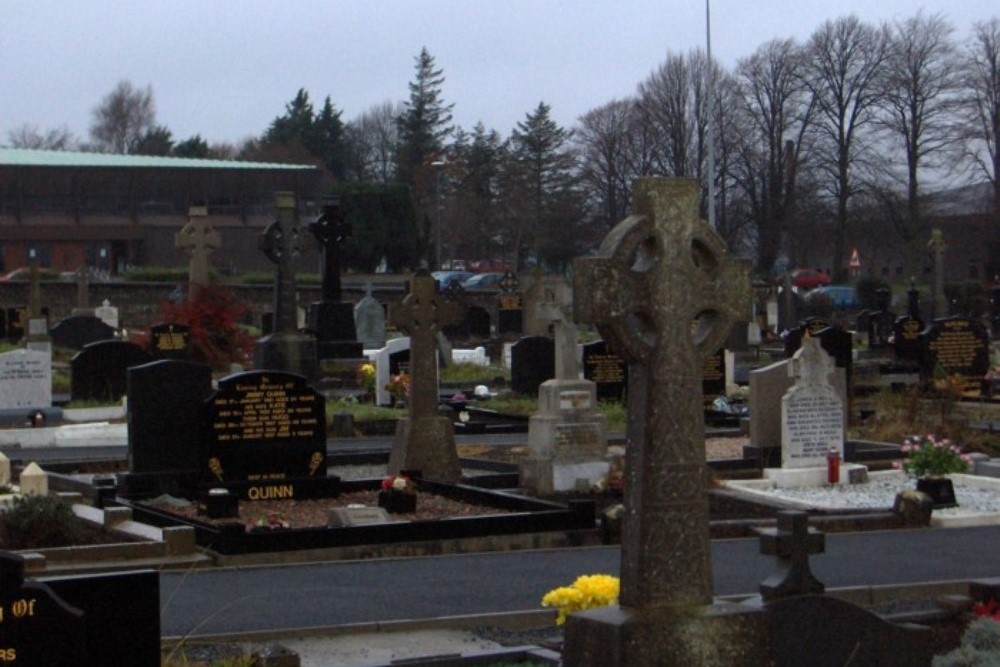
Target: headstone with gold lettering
955, 351
170, 340
264, 437
36, 626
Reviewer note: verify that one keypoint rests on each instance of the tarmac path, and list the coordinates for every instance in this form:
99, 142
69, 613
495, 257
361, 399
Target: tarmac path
344, 593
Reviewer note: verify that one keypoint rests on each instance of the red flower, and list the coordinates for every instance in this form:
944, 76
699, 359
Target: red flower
989, 609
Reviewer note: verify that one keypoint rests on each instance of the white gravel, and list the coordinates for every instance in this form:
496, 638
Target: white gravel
881, 489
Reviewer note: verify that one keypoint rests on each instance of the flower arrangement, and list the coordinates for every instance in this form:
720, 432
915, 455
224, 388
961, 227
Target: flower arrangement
928, 455
399, 484
272, 521
988, 609
399, 386
366, 377
587, 592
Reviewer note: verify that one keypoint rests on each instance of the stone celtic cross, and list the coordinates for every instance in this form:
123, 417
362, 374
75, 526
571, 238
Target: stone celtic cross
331, 229
421, 315
664, 293
280, 243
199, 240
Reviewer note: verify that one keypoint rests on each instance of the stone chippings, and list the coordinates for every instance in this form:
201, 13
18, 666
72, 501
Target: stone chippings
880, 493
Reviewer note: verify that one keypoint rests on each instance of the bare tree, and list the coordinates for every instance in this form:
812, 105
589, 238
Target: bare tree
123, 117
670, 101
844, 73
776, 110
921, 94
372, 141
29, 136
982, 86
603, 141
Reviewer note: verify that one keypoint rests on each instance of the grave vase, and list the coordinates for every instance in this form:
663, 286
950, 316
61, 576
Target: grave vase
940, 489
397, 502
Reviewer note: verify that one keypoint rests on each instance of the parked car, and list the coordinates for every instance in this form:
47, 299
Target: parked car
482, 281
809, 278
843, 297
445, 278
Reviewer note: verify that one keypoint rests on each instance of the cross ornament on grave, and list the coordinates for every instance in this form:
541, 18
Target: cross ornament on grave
331, 229
199, 240
280, 243
426, 446
791, 543
656, 273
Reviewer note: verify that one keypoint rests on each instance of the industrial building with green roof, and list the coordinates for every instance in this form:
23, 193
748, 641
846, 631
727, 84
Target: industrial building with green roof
64, 210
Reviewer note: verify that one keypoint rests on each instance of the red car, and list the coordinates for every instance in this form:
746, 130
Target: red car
809, 278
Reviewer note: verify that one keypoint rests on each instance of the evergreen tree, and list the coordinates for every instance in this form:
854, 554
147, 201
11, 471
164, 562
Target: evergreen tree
195, 147
157, 140
425, 122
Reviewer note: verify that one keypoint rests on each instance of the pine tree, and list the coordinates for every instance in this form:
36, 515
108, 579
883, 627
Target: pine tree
425, 122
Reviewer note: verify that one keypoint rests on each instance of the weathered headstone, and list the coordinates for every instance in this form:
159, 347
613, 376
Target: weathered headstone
567, 437
607, 370
369, 318
957, 347
425, 441
108, 314
332, 320
169, 340
532, 362
284, 349
25, 380
199, 240
165, 400
98, 371
77, 331
264, 437
656, 273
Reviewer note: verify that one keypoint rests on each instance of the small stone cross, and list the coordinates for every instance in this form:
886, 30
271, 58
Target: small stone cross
656, 273
331, 229
199, 240
428, 444
792, 542
280, 243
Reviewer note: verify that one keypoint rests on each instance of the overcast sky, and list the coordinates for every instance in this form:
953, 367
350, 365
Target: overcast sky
226, 68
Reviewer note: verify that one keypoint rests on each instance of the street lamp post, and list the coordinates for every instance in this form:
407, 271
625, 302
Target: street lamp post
438, 168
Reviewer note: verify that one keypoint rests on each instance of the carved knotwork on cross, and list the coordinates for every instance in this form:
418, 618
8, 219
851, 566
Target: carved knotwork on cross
280, 244
199, 240
331, 229
656, 273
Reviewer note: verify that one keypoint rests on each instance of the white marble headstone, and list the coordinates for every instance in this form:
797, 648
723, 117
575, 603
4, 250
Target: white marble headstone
25, 379
812, 412
108, 314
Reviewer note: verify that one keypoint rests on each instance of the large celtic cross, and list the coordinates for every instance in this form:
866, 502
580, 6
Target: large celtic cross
664, 293
199, 240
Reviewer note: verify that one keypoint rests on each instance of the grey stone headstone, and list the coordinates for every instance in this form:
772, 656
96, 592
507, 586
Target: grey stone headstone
369, 320
25, 379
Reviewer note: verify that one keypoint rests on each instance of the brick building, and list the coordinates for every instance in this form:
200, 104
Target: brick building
65, 210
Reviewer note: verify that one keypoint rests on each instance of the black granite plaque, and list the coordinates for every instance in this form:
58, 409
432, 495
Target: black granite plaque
906, 332
607, 370
956, 346
532, 362
265, 431
169, 340
98, 371
78, 331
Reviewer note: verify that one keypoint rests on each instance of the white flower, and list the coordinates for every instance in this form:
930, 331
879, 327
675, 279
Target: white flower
399, 484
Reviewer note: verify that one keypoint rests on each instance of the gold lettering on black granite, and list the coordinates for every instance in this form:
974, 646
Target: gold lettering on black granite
275, 492
19, 609
265, 412
606, 368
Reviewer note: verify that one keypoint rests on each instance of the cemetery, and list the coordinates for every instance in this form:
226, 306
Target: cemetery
670, 402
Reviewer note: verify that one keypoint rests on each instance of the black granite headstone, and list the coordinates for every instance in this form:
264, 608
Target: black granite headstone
532, 362
98, 371
37, 626
121, 613
510, 314
264, 435
713, 375
812, 325
906, 337
955, 346
165, 400
478, 321
77, 331
880, 329
607, 370
169, 340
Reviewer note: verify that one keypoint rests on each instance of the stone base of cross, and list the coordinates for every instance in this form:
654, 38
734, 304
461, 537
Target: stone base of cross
663, 291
